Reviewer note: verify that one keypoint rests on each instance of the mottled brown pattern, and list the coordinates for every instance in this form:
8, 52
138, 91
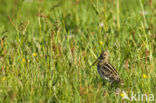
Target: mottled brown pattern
105, 69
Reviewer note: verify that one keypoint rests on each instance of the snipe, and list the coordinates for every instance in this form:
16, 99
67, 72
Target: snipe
105, 69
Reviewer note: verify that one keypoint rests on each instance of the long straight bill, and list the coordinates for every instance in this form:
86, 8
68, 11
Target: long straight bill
93, 63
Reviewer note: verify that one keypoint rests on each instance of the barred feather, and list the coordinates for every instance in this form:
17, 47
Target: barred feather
105, 69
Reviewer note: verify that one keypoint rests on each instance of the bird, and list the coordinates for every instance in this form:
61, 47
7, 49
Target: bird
105, 69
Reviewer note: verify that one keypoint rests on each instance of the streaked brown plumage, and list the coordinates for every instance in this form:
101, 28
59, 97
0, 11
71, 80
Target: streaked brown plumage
105, 69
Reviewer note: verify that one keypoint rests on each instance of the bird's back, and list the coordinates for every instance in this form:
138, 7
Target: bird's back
108, 72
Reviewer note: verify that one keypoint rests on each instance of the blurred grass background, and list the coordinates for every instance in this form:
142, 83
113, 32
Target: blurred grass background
47, 46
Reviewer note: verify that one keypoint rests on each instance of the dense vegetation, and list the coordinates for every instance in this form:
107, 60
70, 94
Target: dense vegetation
46, 48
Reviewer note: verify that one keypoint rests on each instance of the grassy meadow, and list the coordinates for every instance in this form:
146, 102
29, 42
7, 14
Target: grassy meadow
47, 46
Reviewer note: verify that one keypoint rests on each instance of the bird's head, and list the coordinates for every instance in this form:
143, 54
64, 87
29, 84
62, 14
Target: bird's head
104, 55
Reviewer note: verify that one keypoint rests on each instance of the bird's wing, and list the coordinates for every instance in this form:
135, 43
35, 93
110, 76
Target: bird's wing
111, 68
109, 71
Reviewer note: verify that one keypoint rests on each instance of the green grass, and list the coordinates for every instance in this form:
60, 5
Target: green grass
66, 35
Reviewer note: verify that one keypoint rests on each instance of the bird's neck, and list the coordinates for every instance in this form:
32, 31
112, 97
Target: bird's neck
102, 61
